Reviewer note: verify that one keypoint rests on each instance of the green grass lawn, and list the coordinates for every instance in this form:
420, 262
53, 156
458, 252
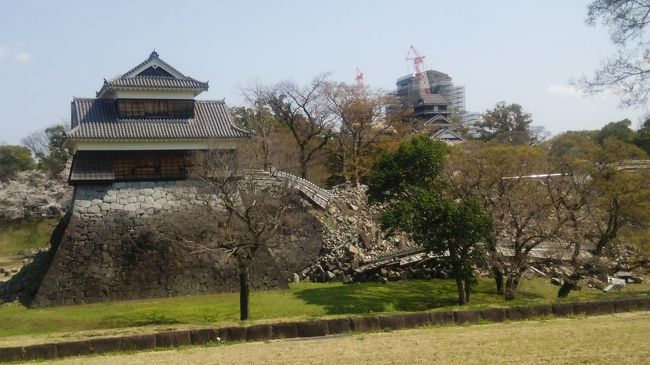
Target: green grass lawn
302, 301
23, 234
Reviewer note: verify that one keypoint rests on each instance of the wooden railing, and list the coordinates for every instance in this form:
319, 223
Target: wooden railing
317, 195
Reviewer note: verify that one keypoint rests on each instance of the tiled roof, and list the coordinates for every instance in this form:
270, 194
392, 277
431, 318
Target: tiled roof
98, 119
153, 56
157, 82
431, 99
134, 78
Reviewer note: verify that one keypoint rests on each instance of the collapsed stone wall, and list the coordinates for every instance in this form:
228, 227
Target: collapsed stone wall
106, 254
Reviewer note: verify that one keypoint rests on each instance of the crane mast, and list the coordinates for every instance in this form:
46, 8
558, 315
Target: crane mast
359, 77
418, 67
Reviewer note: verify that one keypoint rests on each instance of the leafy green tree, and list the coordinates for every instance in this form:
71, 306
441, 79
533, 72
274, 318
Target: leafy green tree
14, 159
416, 163
620, 130
409, 180
642, 138
507, 123
456, 231
47, 146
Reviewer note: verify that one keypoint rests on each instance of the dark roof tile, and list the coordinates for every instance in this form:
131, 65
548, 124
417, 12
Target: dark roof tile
157, 82
98, 119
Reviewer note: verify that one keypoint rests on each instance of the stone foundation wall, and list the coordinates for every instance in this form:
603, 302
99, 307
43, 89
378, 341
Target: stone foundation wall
106, 254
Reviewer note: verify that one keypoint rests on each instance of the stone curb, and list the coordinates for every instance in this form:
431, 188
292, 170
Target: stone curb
316, 328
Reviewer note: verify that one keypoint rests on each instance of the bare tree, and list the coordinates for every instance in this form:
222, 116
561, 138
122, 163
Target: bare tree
47, 146
505, 180
599, 198
242, 213
305, 112
259, 119
628, 72
362, 118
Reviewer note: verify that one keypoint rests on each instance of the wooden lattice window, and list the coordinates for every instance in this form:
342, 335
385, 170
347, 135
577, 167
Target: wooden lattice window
155, 109
142, 165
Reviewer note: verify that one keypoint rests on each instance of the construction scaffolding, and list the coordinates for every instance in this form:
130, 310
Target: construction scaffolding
439, 83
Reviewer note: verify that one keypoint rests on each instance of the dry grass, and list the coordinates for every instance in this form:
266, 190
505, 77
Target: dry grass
612, 339
22, 234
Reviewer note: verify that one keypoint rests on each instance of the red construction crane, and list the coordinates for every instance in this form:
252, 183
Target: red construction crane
359, 78
418, 66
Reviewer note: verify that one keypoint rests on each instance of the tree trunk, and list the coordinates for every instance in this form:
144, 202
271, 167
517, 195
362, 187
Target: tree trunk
356, 166
303, 169
467, 290
244, 292
571, 283
460, 284
611, 230
344, 165
512, 284
498, 278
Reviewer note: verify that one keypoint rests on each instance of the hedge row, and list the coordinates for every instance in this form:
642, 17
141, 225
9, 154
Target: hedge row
261, 332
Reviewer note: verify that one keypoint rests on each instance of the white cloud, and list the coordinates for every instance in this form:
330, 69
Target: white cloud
9, 54
563, 90
23, 57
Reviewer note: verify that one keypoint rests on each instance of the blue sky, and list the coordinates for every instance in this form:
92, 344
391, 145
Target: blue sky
513, 50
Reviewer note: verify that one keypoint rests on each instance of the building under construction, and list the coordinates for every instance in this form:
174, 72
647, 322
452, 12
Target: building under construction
409, 88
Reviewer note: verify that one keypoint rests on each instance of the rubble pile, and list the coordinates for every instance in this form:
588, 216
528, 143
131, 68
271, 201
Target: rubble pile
612, 272
356, 249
